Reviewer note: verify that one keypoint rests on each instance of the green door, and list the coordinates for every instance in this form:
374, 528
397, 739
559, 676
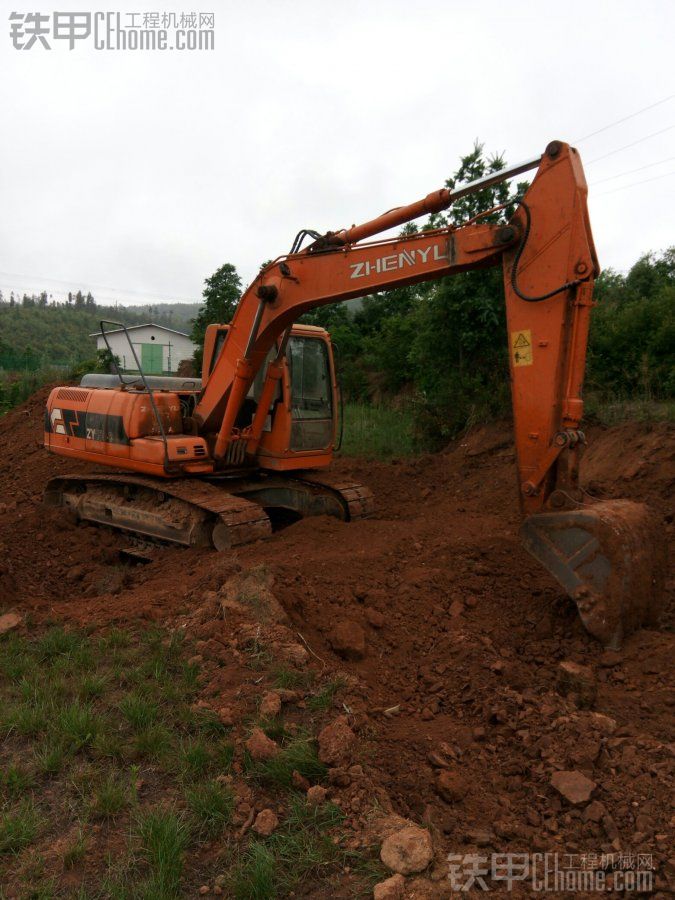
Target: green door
151, 359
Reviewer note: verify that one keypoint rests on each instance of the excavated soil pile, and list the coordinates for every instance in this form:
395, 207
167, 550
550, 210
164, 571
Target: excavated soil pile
482, 710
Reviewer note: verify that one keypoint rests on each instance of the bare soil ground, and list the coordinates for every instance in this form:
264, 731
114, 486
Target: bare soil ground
432, 631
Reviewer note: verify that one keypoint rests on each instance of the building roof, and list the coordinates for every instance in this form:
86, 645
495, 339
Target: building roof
133, 327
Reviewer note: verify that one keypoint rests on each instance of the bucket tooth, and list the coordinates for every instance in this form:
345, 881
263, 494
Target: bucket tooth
609, 557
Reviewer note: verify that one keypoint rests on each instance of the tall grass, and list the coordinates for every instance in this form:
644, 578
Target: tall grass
614, 410
378, 432
16, 387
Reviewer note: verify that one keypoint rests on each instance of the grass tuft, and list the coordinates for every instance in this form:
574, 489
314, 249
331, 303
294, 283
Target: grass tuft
139, 711
16, 781
18, 829
212, 805
298, 755
255, 876
77, 725
323, 700
109, 798
163, 836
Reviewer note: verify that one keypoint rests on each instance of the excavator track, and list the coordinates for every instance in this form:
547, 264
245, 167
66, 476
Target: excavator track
191, 513
219, 512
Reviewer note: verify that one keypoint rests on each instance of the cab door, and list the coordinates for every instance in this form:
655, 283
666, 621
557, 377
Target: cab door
311, 383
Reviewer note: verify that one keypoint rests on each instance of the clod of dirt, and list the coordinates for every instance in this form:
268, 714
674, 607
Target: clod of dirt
407, 851
8, 621
577, 681
348, 640
391, 889
265, 823
299, 781
574, 786
336, 741
270, 705
316, 795
251, 595
603, 723
376, 619
260, 746
594, 812
451, 786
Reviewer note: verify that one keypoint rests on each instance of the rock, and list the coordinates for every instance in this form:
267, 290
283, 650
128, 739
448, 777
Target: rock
593, 812
250, 594
225, 715
407, 851
573, 786
8, 621
437, 760
335, 742
377, 620
603, 723
348, 640
260, 746
479, 836
391, 889
577, 680
451, 786
299, 781
294, 654
316, 795
265, 823
288, 696
456, 609
75, 573
610, 659
270, 705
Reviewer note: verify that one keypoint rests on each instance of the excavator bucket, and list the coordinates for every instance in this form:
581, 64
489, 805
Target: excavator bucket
609, 557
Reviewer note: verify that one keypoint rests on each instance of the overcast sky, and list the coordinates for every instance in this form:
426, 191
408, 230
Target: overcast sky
136, 174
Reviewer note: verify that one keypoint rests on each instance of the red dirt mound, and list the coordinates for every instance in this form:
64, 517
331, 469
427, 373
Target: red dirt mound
449, 635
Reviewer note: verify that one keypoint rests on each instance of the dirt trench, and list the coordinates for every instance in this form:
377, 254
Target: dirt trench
448, 636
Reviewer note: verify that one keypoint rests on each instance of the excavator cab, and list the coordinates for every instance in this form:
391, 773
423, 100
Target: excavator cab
301, 421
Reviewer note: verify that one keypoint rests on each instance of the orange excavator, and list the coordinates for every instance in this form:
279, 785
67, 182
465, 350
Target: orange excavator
217, 461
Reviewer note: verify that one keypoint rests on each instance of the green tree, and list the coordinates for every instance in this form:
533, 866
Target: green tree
458, 354
221, 294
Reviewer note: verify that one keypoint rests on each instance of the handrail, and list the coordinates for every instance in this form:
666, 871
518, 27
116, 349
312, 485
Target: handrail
142, 374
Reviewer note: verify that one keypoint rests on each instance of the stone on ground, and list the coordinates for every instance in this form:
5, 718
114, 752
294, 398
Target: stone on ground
407, 851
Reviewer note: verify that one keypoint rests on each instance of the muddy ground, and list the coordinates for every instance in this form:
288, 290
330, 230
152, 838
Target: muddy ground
459, 671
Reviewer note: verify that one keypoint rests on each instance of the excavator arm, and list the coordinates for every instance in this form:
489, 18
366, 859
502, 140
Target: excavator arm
549, 264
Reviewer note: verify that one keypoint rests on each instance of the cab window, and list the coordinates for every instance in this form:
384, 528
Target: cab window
311, 394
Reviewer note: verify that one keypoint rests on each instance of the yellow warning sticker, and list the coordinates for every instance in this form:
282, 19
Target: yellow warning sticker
521, 347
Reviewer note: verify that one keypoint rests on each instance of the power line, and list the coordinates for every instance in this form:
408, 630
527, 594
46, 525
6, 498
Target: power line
625, 119
626, 146
635, 183
632, 171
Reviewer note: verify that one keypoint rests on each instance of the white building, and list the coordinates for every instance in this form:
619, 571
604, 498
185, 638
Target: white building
160, 350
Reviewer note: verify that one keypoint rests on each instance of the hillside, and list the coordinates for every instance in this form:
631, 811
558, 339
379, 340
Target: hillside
35, 335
